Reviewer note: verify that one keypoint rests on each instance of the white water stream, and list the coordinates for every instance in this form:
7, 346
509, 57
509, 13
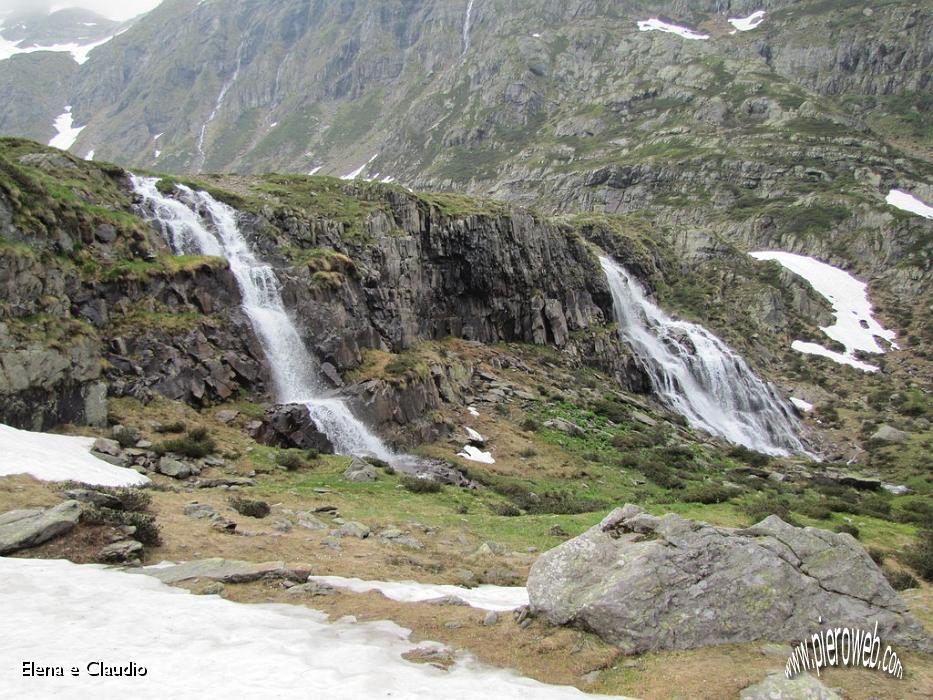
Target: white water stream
699, 376
218, 103
466, 27
193, 222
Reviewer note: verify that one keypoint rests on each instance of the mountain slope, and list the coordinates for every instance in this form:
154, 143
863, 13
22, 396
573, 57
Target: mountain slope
295, 85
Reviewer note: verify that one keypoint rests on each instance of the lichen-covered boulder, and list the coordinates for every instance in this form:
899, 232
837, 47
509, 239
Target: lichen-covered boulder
643, 582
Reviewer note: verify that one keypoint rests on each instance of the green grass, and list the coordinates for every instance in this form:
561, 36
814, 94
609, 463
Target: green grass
386, 501
165, 265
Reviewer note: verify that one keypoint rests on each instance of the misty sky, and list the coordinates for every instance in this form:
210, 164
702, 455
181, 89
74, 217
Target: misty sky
114, 9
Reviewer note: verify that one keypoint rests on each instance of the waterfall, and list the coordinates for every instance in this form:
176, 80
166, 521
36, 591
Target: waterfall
698, 376
218, 103
466, 27
196, 223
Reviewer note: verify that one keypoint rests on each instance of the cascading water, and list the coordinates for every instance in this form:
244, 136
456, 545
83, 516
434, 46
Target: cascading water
466, 27
698, 376
196, 223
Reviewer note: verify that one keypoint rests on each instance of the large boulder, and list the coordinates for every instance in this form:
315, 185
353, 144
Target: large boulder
359, 471
889, 435
643, 583
20, 529
289, 425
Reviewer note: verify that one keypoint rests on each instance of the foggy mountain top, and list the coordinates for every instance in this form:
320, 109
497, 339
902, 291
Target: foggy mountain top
112, 9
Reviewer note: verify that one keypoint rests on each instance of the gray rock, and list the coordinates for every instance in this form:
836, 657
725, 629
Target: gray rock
885, 433
565, 426
590, 677
226, 416
288, 426
105, 233
223, 570
124, 435
401, 539
282, 525
488, 549
332, 541
309, 522
213, 588
174, 468
448, 600
97, 498
200, 510
219, 522
124, 551
218, 483
106, 446
644, 418
492, 617
778, 687
312, 588
360, 471
643, 584
21, 529
353, 529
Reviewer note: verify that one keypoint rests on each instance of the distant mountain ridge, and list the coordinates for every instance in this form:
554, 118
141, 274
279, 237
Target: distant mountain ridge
434, 99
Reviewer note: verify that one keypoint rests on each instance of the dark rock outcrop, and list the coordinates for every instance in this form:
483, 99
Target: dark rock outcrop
289, 425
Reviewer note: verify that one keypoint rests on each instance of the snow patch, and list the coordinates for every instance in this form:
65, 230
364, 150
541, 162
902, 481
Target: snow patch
476, 455
158, 136
817, 349
66, 132
356, 173
78, 51
907, 202
656, 25
473, 412
90, 155
855, 328
314, 170
65, 614
804, 406
473, 435
746, 24
486, 597
59, 458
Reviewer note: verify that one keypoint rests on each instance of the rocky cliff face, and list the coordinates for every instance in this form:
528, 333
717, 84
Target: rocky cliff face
374, 273
101, 306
